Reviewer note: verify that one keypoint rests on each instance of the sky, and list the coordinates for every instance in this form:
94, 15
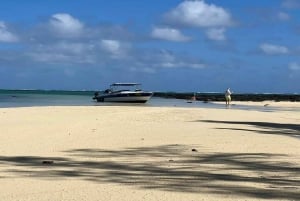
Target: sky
251, 46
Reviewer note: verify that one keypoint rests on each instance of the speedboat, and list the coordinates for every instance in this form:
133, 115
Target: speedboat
123, 92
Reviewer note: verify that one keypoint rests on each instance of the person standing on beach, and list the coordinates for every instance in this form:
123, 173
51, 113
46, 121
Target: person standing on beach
228, 96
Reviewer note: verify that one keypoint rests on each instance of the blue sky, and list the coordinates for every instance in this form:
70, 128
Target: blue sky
170, 45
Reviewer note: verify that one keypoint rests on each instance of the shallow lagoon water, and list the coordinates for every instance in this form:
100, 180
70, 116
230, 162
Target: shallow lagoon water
34, 99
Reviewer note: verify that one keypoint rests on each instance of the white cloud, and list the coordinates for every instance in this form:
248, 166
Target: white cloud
5, 35
294, 66
182, 65
152, 61
167, 59
63, 52
65, 47
48, 57
216, 34
291, 4
283, 16
140, 67
73, 48
64, 23
61, 58
273, 49
112, 46
199, 14
168, 34
115, 48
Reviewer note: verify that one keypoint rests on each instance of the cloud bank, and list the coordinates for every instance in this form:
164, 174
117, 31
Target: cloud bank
6, 35
271, 49
169, 34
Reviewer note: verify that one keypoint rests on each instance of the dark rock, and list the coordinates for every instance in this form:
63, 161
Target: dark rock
208, 97
48, 162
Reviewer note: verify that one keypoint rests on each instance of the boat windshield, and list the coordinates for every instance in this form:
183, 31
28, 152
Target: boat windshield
125, 86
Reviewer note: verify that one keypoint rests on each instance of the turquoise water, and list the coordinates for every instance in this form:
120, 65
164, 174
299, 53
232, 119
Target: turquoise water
29, 98
24, 98
65, 98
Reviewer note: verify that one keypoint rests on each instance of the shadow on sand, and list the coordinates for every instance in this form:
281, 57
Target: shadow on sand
173, 168
292, 130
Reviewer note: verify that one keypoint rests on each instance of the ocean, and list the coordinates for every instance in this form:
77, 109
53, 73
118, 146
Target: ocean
31, 98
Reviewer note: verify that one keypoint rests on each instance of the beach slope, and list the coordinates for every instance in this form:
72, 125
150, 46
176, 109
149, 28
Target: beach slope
149, 153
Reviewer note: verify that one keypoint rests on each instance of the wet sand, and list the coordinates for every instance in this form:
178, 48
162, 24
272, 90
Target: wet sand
150, 153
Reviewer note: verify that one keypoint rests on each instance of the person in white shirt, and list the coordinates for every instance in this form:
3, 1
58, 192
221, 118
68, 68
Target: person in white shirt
228, 96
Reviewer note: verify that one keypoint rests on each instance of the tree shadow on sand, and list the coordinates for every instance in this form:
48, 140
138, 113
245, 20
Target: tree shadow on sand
169, 168
292, 130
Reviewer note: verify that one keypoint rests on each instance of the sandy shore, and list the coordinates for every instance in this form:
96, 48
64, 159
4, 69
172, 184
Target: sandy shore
149, 153
281, 105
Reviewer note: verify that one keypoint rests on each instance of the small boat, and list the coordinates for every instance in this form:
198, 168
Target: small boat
123, 92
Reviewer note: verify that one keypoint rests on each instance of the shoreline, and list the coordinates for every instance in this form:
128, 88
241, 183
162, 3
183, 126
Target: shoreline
264, 103
179, 103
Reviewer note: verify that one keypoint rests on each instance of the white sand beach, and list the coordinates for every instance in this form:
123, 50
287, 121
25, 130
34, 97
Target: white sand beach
149, 153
